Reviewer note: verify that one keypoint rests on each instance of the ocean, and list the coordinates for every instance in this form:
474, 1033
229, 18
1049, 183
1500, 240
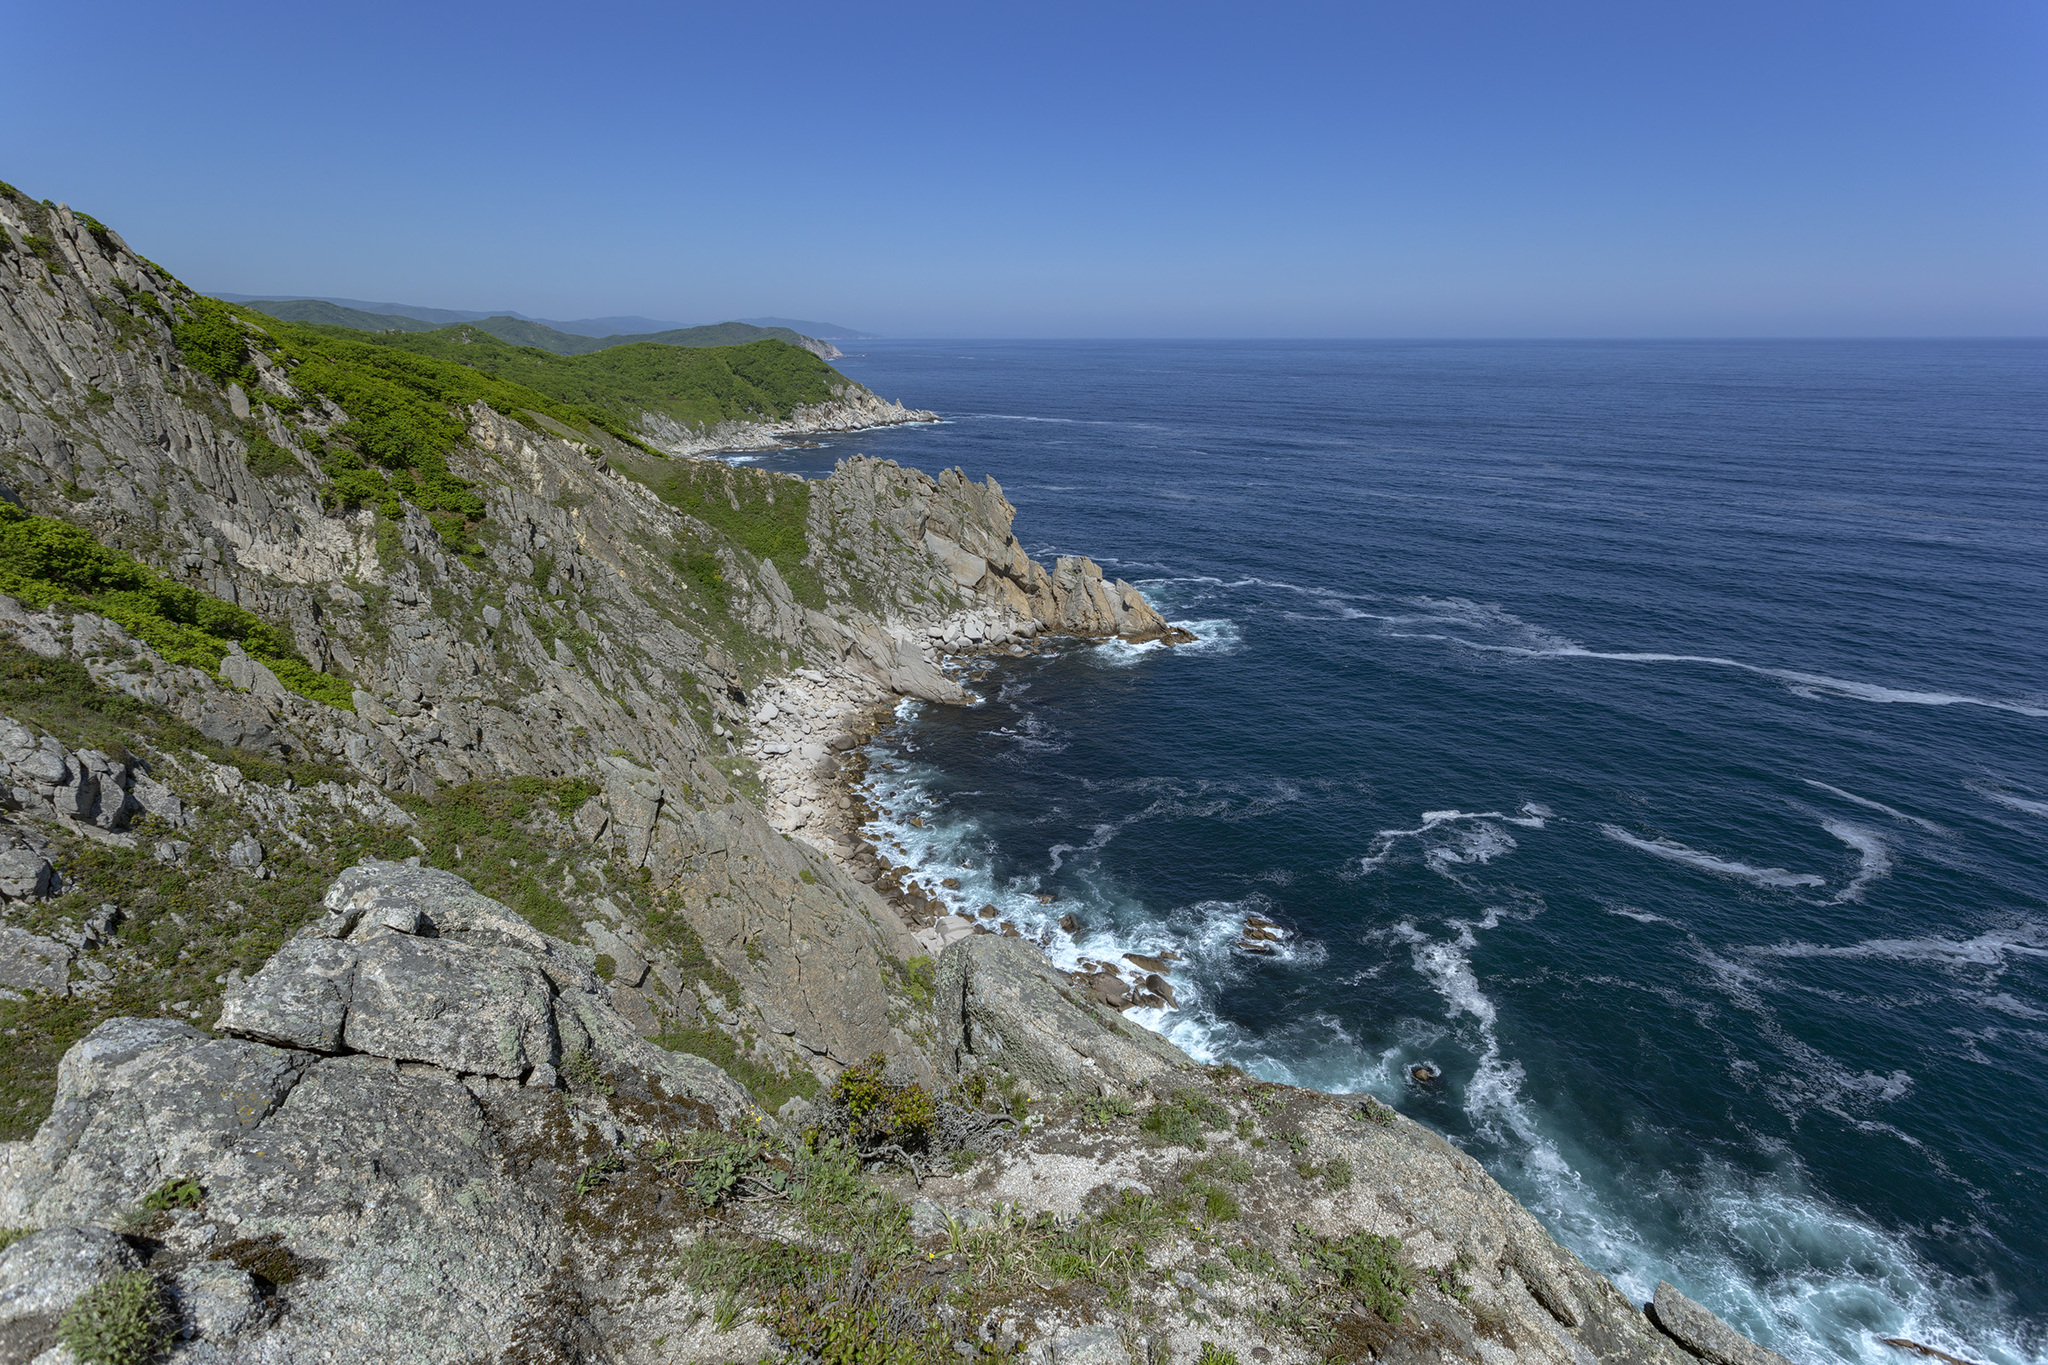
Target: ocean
1652, 738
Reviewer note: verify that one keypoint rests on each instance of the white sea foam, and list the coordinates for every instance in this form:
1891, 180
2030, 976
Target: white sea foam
1478, 849
1639, 916
1877, 806
1216, 636
1679, 853
1806, 684
1989, 949
1532, 641
1875, 860
2011, 802
1779, 1261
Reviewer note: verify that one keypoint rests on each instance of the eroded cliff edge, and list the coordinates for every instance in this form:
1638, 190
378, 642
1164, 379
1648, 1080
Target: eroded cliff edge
320, 1100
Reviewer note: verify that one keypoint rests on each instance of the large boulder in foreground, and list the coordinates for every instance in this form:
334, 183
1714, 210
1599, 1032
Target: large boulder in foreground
999, 1003
383, 1145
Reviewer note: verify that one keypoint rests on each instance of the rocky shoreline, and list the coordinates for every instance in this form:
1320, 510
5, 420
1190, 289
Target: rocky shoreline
851, 408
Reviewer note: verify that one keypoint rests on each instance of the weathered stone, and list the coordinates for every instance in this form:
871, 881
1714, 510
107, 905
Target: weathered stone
217, 1301
998, 1000
30, 962
42, 1274
139, 1101
630, 966
1705, 1335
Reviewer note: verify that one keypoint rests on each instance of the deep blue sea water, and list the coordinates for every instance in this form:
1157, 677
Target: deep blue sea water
1654, 737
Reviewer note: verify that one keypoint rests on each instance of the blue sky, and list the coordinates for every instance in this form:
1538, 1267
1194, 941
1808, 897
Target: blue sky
1452, 169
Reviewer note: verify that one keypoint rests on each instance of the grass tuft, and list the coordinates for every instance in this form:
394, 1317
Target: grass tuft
122, 1320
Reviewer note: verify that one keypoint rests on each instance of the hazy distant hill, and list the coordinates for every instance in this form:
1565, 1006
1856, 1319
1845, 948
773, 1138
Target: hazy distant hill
401, 317
528, 332
823, 331
328, 314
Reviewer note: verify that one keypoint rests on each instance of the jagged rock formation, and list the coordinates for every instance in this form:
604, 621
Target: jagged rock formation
999, 1004
409, 1151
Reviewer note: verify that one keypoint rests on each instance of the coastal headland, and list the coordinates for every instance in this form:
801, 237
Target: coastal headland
439, 923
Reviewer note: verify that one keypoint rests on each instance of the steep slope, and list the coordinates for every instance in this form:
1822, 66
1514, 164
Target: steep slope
494, 588
419, 938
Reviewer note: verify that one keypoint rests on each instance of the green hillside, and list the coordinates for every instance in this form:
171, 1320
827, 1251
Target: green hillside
518, 331
696, 385
325, 314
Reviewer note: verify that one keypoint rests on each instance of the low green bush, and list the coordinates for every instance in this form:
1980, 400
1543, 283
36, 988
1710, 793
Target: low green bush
175, 1194
122, 1320
45, 562
881, 1112
1370, 1266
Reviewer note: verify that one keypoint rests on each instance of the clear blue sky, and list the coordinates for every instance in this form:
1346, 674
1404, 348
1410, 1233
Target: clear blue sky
1413, 169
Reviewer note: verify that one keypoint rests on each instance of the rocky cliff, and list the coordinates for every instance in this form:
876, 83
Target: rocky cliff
668, 1071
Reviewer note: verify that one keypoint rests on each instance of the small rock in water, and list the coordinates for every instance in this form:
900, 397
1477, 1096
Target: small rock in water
989, 912
1146, 964
1070, 923
1425, 1073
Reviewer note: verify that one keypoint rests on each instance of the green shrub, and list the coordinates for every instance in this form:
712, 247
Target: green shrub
122, 1320
175, 1194
1212, 1354
267, 459
1182, 1120
765, 514
771, 1088
1370, 1266
214, 342
1374, 1111
880, 1112
1450, 1279
701, 569
1337, 1173
44, 561
9, 1236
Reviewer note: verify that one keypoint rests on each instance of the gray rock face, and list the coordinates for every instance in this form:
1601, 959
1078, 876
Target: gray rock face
217, 1301
30, 962
43, 1272
45, 778
421, 1187
998, 1002
1698, 1330
413, 965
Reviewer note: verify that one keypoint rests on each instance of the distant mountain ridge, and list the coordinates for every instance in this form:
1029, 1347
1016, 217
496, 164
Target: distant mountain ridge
527, 332
632, 324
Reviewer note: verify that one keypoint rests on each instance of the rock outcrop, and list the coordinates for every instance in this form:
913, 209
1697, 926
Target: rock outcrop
851, 408
398, 1106
1000, 1005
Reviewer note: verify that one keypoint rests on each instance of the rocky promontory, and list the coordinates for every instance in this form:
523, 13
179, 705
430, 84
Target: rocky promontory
434, 927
